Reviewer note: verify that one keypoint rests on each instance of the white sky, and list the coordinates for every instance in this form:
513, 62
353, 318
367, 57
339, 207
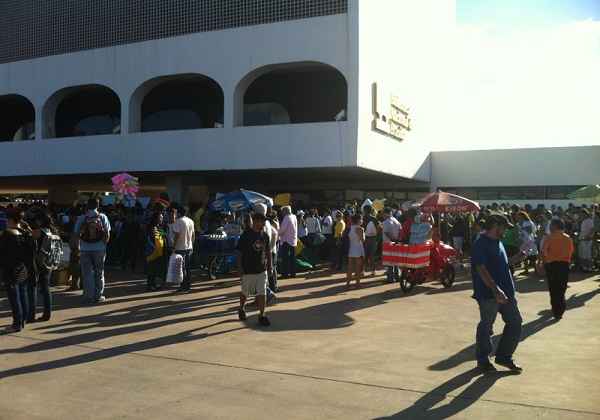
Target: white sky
525, 87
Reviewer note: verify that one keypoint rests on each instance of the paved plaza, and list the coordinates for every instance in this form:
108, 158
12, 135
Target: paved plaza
372, 353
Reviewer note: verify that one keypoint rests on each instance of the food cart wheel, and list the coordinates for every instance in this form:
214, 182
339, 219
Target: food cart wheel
448, 276
405, 281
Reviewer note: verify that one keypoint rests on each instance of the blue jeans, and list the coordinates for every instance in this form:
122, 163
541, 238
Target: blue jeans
43, 288
187, 268
393, 274
488, 310
17, 297
92, 273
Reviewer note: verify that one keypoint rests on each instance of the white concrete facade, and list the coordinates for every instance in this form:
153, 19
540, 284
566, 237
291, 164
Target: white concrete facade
404, 45
227, 57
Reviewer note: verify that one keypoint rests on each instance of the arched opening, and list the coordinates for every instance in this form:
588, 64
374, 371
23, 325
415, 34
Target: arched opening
179, 102
18, 118
90, 110
292, 94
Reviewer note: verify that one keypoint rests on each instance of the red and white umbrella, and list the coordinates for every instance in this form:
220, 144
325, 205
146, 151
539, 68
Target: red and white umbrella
443, 202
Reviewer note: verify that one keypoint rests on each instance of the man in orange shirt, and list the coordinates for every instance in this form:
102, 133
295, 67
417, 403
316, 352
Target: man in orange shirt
557, 253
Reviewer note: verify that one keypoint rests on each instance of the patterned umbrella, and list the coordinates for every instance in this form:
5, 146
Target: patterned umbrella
442, 202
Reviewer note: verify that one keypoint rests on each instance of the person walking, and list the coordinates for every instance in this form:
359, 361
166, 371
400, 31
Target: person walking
494, 290
254, 265
356, 252
92, 232
16, 266
288, 237
556, 253
391, 233
185, 234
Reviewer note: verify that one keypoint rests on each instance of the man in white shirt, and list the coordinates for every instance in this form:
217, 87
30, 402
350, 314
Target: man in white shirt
586, 236
184, 235
288, 235
313, 225
391, 233
327, 230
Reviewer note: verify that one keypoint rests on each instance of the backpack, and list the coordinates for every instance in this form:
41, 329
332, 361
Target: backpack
92, 229
50, 251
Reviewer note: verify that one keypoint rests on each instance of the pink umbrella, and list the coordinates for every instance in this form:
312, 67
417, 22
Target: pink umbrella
442, 202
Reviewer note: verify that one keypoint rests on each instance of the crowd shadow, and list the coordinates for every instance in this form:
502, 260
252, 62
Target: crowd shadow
332, 315
544, 320
102, 354
427, 407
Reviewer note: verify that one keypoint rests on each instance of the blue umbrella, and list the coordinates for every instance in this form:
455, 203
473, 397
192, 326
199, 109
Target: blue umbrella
239, 200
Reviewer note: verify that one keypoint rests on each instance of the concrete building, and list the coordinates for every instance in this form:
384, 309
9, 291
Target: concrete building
331, 98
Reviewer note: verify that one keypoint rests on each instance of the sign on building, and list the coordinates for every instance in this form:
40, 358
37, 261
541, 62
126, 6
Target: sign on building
390, 116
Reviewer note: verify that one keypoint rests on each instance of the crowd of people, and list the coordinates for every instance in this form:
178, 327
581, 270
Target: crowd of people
348, 239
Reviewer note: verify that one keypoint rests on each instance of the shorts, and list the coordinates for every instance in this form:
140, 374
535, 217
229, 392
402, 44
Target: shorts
255, 284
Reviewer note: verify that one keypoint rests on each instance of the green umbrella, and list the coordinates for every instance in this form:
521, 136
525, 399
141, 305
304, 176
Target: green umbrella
589, 193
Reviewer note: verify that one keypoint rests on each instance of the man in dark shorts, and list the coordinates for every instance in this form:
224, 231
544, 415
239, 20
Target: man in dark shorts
255, 263
494, 290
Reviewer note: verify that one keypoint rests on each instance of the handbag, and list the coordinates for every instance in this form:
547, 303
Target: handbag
175, 271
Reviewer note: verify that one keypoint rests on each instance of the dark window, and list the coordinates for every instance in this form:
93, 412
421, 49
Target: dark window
305, 94
18, 122
38, 28
182, 104
88, 111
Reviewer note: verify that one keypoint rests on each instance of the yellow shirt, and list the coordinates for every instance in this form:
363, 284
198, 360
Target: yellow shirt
340, 227
159, 247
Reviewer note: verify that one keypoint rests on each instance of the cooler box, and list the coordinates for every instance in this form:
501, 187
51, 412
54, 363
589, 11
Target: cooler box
407, 256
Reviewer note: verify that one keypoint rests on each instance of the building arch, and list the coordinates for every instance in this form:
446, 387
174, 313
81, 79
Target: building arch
80, 111
18, 118
177, 102
291, 93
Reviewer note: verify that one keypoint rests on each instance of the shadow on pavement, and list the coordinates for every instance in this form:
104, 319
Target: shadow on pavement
425, 407
102, 354
530, 328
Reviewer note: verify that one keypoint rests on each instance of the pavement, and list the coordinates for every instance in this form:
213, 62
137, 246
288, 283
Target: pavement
368, 353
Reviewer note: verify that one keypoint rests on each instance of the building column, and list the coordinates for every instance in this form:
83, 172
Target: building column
39, 122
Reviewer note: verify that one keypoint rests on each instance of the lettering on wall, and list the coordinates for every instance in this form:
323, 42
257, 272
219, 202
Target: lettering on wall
390, 116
